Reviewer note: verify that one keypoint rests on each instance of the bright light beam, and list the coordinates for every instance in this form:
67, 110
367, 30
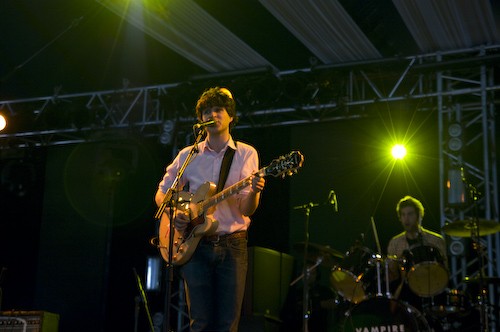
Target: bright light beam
398, 151
3, 122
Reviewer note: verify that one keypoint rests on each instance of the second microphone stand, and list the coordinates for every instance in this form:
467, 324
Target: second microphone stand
306, 311
306, 271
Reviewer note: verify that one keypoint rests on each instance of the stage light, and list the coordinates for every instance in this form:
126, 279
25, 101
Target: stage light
3, 122
456, 187
398, 151
168, 131
457, 246
455, 142
153, 273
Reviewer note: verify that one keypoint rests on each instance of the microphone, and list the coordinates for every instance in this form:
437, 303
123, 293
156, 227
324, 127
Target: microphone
203, 124
332, 200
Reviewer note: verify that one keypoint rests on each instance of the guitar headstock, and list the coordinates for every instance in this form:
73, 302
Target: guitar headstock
285, 165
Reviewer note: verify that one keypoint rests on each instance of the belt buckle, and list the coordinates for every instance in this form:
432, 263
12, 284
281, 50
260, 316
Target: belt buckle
218, 239
214, 239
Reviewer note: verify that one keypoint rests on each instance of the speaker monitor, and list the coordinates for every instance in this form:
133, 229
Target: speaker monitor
268, 279
35, 321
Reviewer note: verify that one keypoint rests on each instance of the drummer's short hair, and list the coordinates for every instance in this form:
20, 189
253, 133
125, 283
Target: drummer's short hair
410, 201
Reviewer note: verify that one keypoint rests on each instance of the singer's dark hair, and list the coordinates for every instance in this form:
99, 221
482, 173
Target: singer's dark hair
410, 201
219, 97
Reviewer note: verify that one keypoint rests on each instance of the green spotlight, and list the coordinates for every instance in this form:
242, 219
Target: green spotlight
398, 151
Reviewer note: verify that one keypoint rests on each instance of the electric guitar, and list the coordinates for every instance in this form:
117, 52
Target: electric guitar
203, 202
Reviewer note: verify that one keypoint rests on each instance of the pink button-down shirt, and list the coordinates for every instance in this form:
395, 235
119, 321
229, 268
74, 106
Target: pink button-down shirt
205, 166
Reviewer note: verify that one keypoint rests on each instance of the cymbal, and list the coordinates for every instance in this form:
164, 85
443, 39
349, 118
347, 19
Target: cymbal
318, 249
468, 228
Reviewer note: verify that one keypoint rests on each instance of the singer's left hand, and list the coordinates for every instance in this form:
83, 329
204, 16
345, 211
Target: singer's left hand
258, 184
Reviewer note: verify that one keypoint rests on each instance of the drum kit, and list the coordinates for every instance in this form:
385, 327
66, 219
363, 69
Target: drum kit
368, 302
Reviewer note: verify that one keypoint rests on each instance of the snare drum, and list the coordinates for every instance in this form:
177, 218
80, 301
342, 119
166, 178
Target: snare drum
352, 277
427, 274
384, 314
452, 302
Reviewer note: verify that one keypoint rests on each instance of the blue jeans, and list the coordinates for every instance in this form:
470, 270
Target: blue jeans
214, 280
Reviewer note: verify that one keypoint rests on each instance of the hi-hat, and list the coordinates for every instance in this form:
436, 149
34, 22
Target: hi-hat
314, 248
469, 228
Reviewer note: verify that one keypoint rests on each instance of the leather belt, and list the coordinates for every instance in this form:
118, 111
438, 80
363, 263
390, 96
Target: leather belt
216, 238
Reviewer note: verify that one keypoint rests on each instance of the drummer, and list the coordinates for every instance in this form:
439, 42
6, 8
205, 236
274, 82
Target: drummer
410, 212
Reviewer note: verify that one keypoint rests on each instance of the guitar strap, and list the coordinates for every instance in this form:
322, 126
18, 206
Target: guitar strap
224, 167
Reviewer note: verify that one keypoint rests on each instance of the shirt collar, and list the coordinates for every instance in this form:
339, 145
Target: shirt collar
203, 146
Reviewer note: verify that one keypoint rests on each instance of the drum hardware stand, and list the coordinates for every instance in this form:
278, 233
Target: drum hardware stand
482, 289
475, 237
309, 270
378, 259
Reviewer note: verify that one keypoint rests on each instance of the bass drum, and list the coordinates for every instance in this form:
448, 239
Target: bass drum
383, 314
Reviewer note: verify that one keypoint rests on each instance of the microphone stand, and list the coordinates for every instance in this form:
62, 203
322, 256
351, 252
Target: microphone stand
170, 201
306, 272
306, 312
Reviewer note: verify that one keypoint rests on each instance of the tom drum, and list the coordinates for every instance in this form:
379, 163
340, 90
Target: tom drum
427, 274
352, 278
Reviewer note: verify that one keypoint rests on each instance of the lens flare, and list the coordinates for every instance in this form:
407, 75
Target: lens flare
398, 151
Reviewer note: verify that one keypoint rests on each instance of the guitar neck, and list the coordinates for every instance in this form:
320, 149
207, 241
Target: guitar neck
229, 191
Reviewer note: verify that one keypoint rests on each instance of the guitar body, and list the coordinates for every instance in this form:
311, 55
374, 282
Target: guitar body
185, 242
205, 199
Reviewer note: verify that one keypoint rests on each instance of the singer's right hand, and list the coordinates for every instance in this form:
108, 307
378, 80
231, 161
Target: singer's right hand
181, 220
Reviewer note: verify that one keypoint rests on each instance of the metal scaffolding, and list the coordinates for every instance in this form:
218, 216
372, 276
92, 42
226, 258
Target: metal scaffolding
264, 98
468, 175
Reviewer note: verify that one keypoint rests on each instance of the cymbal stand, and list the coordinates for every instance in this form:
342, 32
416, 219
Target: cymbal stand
475, 237
306, 311
482, 289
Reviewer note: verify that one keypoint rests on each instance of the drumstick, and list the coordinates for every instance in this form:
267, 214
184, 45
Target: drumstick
377, 242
